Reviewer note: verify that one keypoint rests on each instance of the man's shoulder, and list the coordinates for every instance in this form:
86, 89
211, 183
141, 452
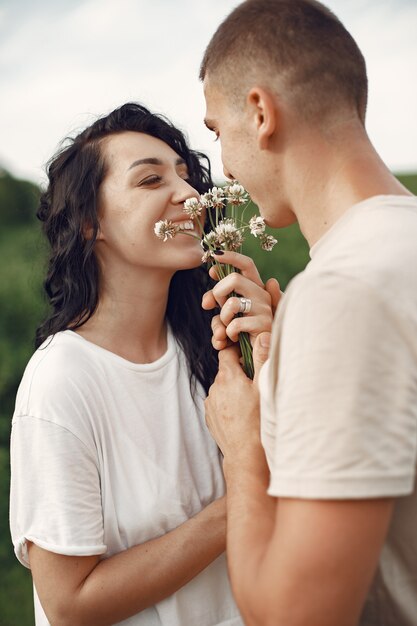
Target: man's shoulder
323, 287
373, 250
378, 225
384, 226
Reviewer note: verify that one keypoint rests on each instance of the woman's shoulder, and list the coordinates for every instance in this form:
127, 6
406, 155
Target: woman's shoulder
60, 356
60, 372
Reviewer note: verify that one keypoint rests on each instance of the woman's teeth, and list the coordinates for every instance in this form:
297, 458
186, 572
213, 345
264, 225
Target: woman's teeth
186, 225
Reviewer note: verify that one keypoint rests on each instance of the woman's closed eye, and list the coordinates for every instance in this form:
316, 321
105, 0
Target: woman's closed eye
150, 180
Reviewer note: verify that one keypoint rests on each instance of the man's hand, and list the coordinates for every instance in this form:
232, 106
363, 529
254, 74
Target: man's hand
232, 406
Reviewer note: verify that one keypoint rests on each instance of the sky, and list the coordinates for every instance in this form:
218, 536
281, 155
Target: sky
65, 62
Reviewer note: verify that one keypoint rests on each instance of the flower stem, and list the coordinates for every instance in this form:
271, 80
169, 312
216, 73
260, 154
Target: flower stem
247, 356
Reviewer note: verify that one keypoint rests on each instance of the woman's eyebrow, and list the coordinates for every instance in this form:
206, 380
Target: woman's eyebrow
147, 161
154, 161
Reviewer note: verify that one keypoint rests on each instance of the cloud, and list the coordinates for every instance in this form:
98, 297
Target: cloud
386, 35
63, 63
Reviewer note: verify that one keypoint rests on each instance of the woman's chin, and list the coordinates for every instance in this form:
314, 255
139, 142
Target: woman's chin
191, 260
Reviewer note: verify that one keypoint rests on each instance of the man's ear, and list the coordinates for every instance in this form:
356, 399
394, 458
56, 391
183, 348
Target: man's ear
266, 114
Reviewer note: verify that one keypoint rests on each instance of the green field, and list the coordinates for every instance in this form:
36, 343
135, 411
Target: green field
22, 307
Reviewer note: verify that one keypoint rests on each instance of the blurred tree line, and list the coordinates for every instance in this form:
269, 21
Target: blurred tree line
22, 306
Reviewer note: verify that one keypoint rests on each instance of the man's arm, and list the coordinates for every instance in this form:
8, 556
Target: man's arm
292, 562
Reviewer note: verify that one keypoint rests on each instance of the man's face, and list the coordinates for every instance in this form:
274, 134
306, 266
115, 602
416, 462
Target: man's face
230, 126
257, 169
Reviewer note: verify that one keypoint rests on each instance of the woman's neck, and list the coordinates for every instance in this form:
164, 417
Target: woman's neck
130, 317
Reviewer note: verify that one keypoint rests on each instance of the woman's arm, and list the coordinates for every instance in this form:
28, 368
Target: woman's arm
83, 591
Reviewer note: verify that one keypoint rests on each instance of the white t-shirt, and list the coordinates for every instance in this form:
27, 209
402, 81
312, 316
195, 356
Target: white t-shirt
339, 392
107, 454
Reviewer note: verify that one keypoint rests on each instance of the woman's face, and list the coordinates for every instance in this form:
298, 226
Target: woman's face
146, 181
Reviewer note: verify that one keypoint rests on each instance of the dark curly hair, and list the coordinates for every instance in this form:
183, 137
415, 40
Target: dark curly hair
70, 202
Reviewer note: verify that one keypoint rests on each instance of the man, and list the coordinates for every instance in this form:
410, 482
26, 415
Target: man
323, 533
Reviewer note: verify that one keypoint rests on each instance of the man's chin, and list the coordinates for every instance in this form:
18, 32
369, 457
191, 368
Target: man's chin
277, 219
267, 217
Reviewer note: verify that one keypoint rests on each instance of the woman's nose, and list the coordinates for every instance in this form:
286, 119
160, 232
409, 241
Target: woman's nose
183, 191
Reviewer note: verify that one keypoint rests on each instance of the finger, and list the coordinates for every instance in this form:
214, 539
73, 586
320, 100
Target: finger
229, 360
220, 345
230, 309
213, 299
251, 325
272, 287
213, 273
216, 271
243, 263
242, 285
208, 301
219, 339
260, 353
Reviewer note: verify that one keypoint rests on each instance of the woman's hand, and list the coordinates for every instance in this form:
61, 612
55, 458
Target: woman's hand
248, 284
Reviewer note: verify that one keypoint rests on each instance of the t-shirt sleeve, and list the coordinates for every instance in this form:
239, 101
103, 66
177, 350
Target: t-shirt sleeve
55, 499
345, 402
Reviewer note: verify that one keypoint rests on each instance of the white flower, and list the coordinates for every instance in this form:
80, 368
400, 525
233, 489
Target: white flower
267, 242
207, 256
213, 199
217, 197
211, 240
228, 234
205, 200
165, 229
257, 225
226, 227
193, 207
236, 194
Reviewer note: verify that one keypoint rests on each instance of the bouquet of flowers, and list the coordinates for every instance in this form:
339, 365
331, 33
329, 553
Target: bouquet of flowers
227, 233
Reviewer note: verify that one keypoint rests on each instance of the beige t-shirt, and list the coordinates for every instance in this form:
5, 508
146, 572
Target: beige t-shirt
340, 419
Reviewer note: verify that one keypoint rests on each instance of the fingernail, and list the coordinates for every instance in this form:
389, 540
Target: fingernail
218, 252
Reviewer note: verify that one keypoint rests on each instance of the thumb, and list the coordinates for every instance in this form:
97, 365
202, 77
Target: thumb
260, 352
272, 287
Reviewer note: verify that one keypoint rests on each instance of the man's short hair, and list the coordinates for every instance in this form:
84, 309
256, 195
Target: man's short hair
298, 47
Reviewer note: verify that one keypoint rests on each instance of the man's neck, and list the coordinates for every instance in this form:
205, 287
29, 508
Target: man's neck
345, 170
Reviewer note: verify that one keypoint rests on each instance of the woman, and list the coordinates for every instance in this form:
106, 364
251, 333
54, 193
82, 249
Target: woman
117, 491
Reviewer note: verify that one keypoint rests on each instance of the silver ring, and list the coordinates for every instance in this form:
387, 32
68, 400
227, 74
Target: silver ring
245, 305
